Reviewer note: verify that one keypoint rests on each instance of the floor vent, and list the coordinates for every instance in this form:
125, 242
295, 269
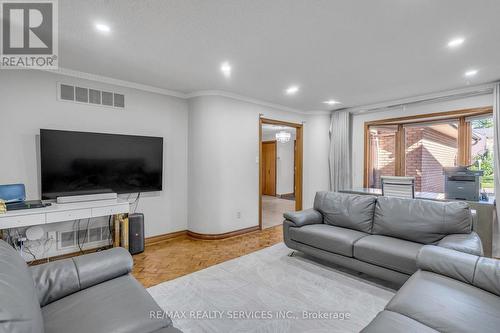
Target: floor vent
77, 94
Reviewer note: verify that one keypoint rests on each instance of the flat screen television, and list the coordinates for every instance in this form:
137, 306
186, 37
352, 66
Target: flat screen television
79, 163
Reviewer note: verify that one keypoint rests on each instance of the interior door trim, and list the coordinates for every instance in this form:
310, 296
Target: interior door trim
298, 158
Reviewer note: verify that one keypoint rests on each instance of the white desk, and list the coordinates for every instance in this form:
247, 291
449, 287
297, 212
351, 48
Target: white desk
55, 213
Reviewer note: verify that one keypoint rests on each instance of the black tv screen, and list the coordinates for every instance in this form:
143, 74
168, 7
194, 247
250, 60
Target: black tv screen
78, 163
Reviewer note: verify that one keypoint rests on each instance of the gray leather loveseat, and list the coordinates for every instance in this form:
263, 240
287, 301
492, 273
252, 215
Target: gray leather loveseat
451, 292
93, 293
379, 236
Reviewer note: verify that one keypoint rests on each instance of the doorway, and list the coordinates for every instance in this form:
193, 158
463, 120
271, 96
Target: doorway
269, 155
280, 172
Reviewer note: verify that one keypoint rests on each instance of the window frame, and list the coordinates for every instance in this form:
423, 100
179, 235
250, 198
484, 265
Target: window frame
464, 135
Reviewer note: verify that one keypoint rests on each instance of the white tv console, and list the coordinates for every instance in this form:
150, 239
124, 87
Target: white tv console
55, 213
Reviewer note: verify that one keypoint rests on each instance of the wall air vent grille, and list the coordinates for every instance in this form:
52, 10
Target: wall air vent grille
77, 94
93, 237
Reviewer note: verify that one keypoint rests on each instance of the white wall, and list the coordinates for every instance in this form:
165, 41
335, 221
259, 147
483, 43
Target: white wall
358, 121
28, 102
210, 148
285, 167
223, 161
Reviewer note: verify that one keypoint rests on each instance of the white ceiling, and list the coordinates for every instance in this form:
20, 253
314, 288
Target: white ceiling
354, 51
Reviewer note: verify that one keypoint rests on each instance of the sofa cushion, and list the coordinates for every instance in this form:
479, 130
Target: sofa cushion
388, 321
19, 306
346, 210
421, 221
396, 254
327, 237
446, 304
119, 305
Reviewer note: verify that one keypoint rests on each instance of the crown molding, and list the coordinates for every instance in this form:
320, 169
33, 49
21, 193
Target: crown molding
477, 90
222, 93
320, 112
167, 92
116, 82
427, 98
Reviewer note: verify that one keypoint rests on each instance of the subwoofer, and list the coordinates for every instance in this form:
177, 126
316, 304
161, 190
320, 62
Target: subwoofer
136, 233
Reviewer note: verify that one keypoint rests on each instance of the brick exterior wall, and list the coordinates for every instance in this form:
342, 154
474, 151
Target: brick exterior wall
413, 158
427, 152
439, 151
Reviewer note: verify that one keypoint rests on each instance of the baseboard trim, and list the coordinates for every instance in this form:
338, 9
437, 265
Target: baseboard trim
222, 236
161, 238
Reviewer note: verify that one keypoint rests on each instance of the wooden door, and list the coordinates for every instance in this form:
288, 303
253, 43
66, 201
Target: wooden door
269, 168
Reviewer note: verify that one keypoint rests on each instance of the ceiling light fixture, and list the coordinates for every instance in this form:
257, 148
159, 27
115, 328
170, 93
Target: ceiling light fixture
455, 42
226, 69
471, 73
292, 90
331, 102
102, 27
283, 137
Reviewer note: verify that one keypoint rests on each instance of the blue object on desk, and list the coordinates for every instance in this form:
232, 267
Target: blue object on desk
12, 193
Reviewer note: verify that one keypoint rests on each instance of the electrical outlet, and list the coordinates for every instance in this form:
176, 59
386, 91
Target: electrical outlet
238, 215
51, 235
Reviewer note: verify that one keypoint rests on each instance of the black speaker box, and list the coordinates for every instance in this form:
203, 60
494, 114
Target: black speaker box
136, 233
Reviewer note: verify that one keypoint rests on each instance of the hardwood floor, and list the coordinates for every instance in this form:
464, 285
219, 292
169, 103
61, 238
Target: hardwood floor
179, 256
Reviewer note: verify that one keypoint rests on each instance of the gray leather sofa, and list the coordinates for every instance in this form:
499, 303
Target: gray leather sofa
452, 292
93, 293
379, 236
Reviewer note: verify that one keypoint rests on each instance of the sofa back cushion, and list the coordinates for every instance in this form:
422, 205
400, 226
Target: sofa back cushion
19, 306
346, 210
421, 221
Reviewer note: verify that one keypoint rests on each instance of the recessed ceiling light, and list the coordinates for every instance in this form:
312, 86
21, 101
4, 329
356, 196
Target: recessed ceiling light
102, 27
455, 42
226, 69
331, 102
292, 90
471, 73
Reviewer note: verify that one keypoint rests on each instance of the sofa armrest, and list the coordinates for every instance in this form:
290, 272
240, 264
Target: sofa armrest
479, 271
487, 275
457, 265
304, 217
467, 243
61, 278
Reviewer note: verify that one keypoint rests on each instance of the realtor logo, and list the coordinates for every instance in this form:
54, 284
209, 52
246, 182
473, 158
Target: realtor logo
29, 34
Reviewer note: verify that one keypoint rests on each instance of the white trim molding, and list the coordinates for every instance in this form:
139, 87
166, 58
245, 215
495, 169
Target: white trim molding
243, 99
479, 90
116, 82
172, 93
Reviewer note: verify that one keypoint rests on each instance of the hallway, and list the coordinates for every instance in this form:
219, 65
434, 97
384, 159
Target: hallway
273, 209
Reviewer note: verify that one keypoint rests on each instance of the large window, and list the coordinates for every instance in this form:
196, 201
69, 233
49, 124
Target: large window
482, 149
382, 153
422, 146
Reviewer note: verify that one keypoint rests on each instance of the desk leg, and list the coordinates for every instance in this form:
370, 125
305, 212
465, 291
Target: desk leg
116, 228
